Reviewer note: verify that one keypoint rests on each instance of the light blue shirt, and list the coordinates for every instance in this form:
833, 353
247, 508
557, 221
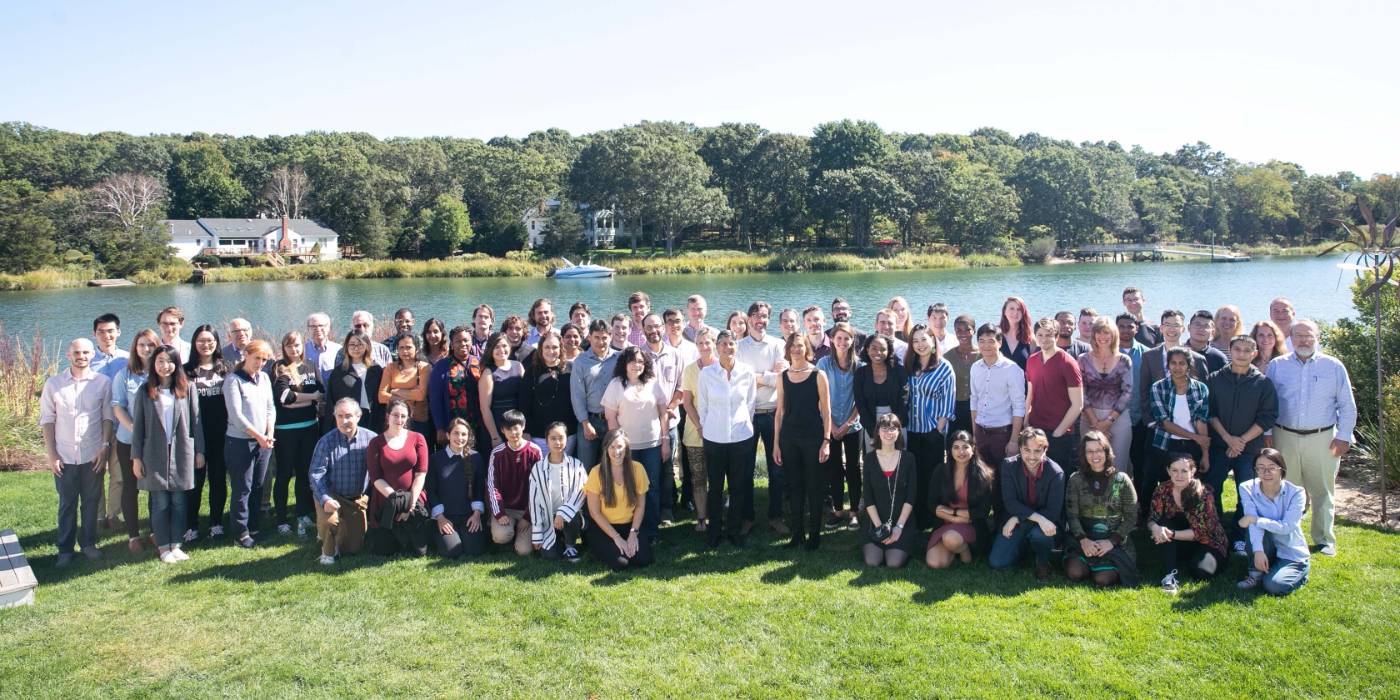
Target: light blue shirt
841, 389
322, 359
1314, 394
1277, 519
932, 395
124, 388
108, 365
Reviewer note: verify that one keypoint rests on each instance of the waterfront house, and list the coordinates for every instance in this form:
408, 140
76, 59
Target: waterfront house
292, 238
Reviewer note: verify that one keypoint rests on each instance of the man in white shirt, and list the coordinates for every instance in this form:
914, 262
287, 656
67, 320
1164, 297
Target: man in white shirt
689, 353
666, 364
764, 355
76, 418
998, 396
938, 329
320, 349
1282, 313
362, 321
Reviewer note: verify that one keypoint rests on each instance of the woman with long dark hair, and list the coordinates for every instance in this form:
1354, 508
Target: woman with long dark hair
397, 462
888, 488
547, 397
456, 488
635, 403
1101, 512
502, 380
297, 389
616, 506
167, 446
963, 493
406, 379
125, 387
881, 386
357, 377
206, 372
435, 341
1185, 526
932, 398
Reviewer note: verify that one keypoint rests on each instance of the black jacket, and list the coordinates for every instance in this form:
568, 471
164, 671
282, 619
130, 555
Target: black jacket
893, 393
1240, 401
344, 383
454, 482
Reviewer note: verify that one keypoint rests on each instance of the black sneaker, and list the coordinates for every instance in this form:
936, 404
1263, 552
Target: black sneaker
571, 555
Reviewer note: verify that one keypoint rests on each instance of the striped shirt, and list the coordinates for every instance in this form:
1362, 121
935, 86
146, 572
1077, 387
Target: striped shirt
1314, 393
1164, 395
932, 395
545, 503
339, 466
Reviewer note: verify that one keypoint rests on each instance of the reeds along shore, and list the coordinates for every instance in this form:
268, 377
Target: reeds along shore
484, 266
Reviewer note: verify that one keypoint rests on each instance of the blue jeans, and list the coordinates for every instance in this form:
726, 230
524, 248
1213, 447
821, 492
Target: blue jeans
246, 464
168, 516
79, 490
650, 459
590, 451
1006, 550
1221, 467
1283, 576
763, 430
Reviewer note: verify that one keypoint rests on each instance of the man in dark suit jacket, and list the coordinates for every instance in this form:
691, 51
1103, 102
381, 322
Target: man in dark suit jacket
1154, 361
1147, 334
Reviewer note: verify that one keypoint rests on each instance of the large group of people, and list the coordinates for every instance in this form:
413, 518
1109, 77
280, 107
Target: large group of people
1006, 440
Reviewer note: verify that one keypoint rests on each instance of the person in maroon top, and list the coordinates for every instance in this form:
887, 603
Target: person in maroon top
1054, 393
397, 461
508, 484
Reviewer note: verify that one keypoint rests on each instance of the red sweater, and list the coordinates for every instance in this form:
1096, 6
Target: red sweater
396, 467
508, 477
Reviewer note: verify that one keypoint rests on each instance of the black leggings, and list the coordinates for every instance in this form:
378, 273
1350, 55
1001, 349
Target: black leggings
292, 452
461, 541
928, 456
131, 514
843, 468
564, 538
732, 461
607, 552
804, 485
1193, 553
216, 475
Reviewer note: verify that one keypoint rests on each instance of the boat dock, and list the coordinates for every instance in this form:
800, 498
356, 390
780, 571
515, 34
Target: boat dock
1119, 252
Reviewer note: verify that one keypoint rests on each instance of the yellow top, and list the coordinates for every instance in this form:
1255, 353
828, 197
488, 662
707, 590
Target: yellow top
621, 511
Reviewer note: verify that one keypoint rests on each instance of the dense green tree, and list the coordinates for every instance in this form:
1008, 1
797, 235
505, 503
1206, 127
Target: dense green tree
1056, 187
26, 234
924, 177
1261, 202
778, 193
726, 150
857, 196
345, 197
563, 232
202, 183
978, 210
847, 144
449, 227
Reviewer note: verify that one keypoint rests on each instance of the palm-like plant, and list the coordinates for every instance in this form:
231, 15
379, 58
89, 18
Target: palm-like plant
1373, 257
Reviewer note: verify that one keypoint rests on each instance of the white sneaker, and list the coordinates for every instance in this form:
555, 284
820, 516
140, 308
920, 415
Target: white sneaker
1329, 549
168, 557
179, 554
1170, 585
326, 560
284, 529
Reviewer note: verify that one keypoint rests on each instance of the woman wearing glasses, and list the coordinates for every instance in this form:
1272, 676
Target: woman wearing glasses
888, 492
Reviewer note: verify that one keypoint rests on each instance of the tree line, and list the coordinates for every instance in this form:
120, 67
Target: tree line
95, 200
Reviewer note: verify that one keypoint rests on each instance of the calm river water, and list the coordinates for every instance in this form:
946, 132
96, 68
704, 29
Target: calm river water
1317, 288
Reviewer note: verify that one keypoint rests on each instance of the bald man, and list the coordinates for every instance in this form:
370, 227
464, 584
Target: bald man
76, 419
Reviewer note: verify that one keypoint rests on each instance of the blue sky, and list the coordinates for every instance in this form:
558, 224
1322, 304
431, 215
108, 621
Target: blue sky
1315, 83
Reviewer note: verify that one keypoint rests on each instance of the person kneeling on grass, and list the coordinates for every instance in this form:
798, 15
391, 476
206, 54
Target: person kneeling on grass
1184, 524
508, 484
556, 498
167, 445
1101, 512
398, 467
615, 490
456, 488
1033, 495
1273, 508
338, 474
962, 491
888, 485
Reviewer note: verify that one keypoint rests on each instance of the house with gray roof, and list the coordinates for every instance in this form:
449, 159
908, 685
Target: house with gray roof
242, 237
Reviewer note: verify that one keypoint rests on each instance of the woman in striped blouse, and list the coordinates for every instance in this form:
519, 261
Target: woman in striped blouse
556, 498
932, 396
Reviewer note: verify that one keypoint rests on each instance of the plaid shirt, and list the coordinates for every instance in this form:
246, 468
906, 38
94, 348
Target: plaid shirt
1163, 395
338, 465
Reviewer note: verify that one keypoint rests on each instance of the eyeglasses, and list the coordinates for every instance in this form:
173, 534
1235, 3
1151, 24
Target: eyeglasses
889, 428
1269, 469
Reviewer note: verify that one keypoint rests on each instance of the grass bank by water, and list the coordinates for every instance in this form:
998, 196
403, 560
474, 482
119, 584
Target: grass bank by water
1286, 251
758, 622
486, 266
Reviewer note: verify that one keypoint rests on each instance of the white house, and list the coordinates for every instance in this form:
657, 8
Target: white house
235, 236
598, 226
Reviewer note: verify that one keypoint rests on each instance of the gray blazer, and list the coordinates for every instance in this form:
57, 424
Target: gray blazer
150, 444
1153, 369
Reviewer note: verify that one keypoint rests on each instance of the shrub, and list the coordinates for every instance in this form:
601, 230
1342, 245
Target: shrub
1353, 341
1039, 249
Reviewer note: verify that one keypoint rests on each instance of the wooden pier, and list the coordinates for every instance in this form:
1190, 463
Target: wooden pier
1118, 252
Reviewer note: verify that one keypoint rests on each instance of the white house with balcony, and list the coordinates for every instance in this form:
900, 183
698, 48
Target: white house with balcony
598, 226
293, 238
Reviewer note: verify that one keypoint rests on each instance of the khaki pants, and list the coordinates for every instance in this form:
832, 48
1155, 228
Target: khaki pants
110, 503
342, 532
517, 530
1310, 463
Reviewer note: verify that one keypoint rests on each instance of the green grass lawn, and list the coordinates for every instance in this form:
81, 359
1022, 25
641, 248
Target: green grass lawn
271, 622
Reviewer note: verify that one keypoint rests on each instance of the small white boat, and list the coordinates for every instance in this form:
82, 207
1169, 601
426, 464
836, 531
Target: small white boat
570, 271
